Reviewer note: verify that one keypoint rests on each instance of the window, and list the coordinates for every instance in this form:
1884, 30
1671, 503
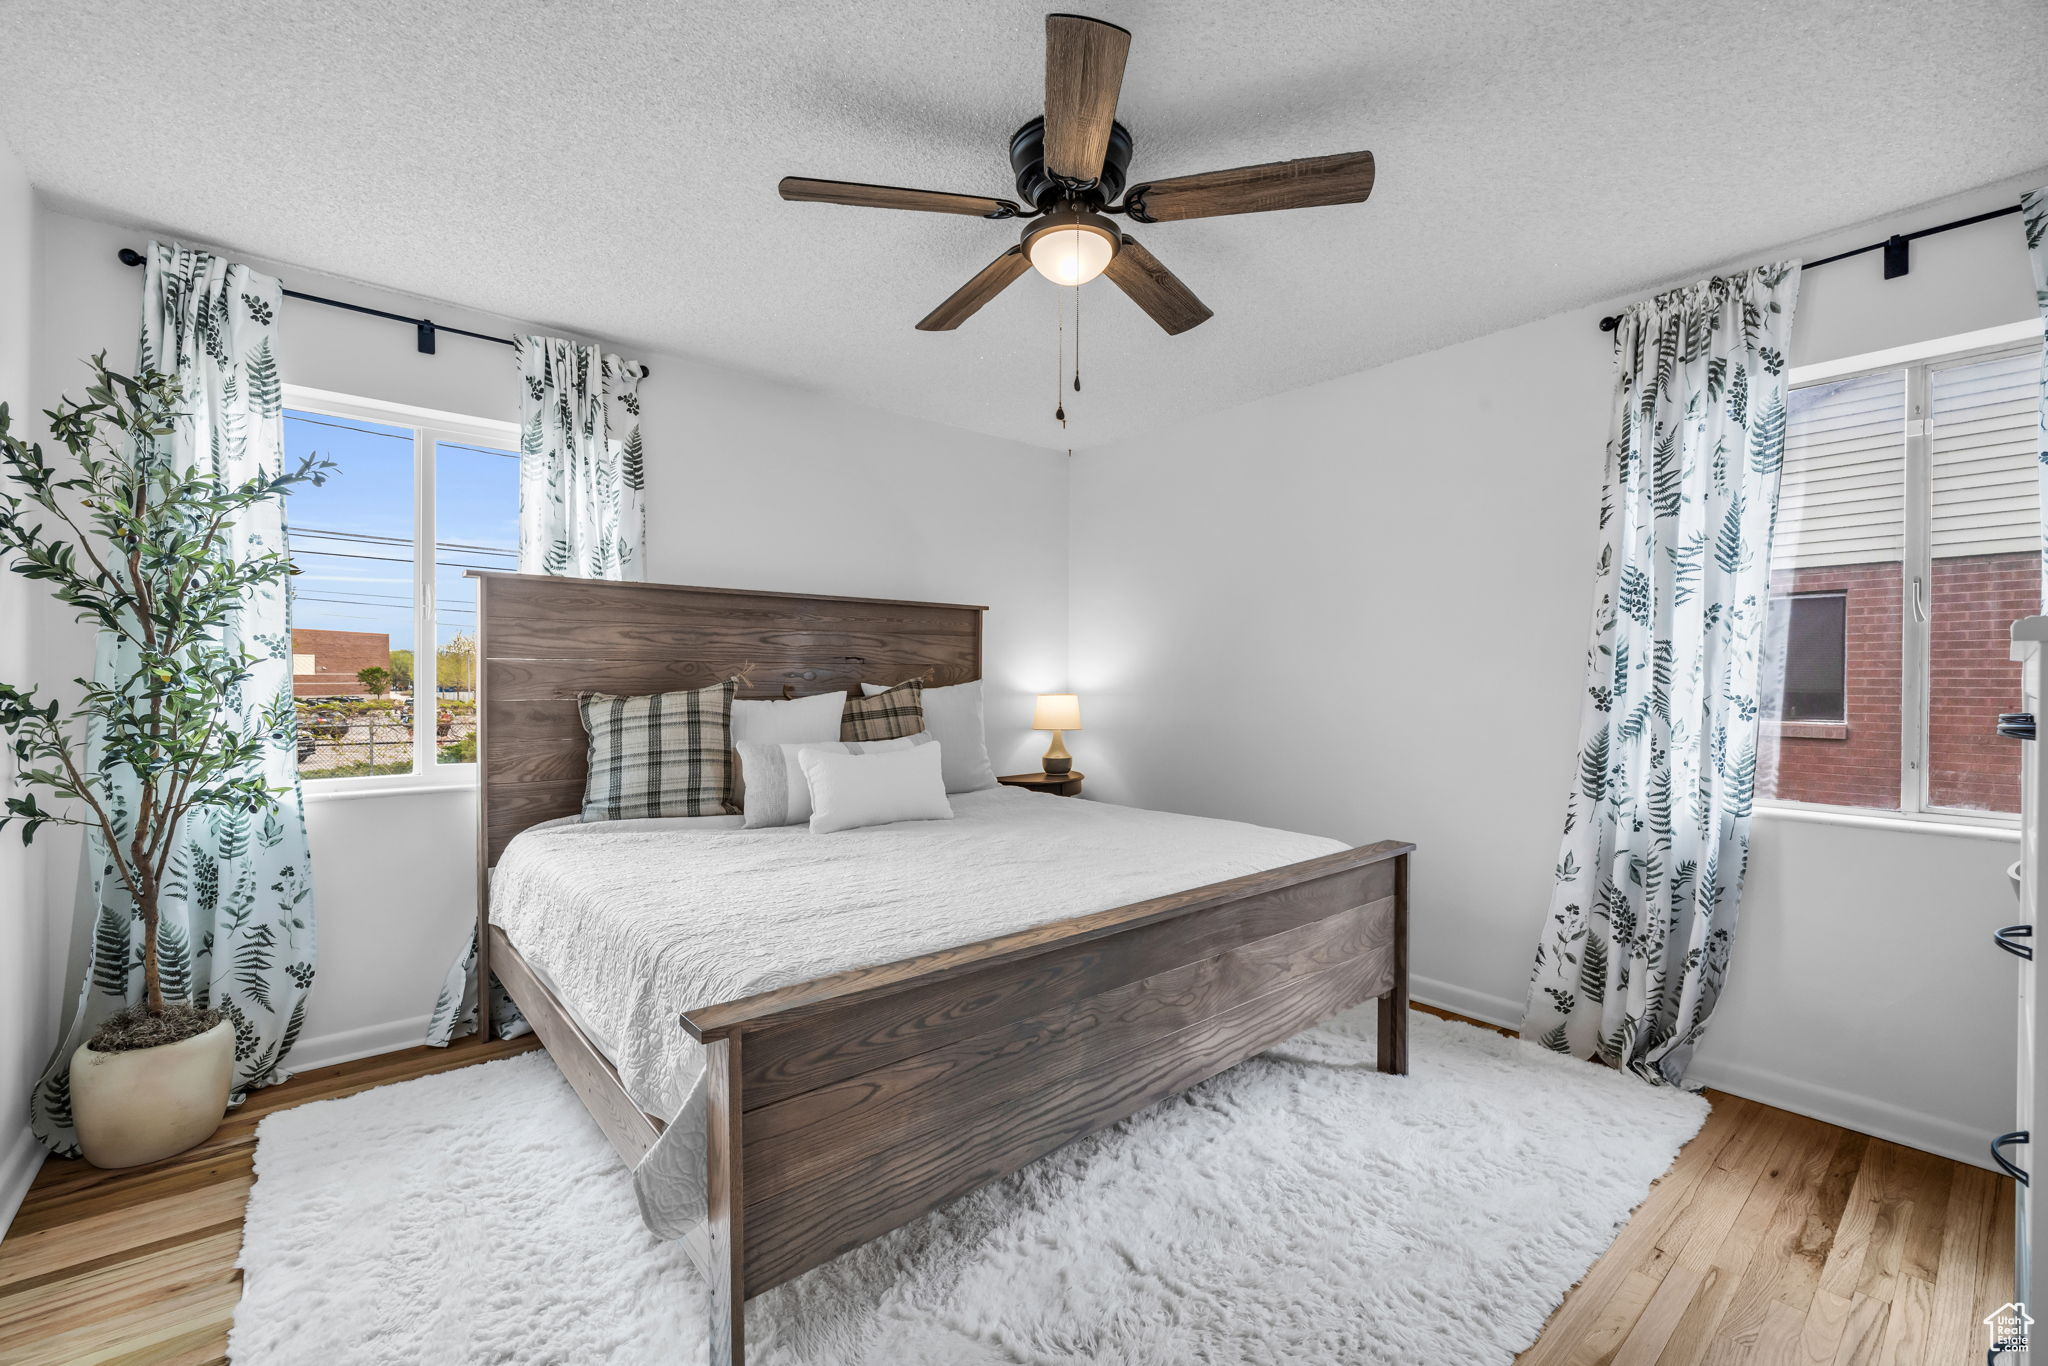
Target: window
383, 617
1907, 543
1809, 632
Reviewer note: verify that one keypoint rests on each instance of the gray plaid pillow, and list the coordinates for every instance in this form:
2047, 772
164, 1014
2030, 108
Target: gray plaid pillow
666, 754
887, 715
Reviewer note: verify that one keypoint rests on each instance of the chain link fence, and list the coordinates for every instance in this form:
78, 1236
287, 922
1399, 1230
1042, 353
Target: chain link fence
353, 737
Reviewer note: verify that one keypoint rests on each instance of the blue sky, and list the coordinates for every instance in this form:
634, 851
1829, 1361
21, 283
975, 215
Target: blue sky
352, 538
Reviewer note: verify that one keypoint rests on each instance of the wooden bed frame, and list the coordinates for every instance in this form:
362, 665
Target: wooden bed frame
845, 1107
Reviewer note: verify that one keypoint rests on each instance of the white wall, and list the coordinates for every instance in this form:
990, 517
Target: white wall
751, 484
27, 996
1401, 554
1360, 609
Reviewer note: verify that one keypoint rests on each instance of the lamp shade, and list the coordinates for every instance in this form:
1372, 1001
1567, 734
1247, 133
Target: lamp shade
1057, 711
1071, 247
1071, 256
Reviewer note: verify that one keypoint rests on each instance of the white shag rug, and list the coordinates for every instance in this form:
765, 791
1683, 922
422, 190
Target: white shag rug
1301, 1208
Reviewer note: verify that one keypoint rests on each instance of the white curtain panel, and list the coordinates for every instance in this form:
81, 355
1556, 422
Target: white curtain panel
2034, 214
236, 915
1656, 828
580, 466
581, 477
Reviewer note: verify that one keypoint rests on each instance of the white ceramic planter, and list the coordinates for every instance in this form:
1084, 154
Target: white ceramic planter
148, 1103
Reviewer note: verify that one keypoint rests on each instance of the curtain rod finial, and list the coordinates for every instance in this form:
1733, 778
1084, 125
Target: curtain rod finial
129, 256
1608, 324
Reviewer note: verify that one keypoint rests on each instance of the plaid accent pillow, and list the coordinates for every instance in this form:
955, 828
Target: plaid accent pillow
666, 754
887, 715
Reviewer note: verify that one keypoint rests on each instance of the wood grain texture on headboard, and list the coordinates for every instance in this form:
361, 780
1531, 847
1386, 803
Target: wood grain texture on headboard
542, 640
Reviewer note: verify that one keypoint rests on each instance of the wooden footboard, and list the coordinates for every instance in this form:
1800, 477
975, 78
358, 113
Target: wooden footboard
848, 1106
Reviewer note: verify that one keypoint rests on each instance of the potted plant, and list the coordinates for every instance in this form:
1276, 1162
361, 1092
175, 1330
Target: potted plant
144, 552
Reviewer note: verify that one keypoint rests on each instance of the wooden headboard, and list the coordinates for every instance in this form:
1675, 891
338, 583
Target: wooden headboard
542, 640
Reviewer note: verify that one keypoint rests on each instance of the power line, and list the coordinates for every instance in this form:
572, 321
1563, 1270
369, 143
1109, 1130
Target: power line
380, 538
404, 434
400, 434
480, 450
405, 560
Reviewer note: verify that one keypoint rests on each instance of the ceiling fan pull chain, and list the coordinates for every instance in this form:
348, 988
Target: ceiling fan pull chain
1077, 339
1059, 365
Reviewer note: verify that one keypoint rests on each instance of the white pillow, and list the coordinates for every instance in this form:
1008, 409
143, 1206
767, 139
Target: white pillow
953, 714
777, 792
782, 721
849, 791
798, 720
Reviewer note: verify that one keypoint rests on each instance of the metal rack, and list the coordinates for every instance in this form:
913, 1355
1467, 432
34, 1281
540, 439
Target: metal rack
2013, 1151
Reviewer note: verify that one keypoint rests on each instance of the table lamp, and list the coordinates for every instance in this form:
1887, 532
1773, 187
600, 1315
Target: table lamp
1057, 712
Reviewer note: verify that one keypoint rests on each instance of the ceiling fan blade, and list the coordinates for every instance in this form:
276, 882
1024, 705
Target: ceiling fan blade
1156, 289
1345, 178
804, 190
1084, 71
995, 277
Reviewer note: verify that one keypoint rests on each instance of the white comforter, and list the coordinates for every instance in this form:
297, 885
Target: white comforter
635, 922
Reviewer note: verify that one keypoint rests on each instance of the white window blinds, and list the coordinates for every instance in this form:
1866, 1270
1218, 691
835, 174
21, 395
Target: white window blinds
1986, 488
1843, 500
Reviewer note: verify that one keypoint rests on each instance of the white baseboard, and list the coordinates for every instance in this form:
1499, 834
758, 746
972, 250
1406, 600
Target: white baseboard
346, 1046
18, 1168
1878, 1118
1477, 1005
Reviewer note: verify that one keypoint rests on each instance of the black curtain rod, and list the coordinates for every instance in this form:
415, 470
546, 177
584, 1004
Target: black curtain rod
425, 328
1897, 260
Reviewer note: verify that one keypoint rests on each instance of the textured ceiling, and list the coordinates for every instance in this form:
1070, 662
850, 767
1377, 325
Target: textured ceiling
611, 168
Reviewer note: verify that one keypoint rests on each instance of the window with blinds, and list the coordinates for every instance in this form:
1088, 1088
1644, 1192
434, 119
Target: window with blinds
1984, 543
1907, 542
1986, 480
1843, 496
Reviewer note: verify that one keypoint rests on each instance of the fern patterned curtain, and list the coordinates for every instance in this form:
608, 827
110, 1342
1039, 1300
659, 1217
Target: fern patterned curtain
580, 514
236, 916
2034, 214
455, 1008
580, 464
1656, 828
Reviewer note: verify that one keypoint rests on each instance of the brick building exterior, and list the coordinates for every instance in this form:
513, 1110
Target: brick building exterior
325, 663
1855, 763
1972, 602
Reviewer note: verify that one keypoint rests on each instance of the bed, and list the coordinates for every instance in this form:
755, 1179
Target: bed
913, 1010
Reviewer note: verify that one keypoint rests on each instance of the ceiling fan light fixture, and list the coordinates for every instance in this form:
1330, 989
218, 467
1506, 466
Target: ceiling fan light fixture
1070, 247
1071, 163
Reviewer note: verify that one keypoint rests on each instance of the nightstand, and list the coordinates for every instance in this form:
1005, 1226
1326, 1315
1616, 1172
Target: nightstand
1059, 784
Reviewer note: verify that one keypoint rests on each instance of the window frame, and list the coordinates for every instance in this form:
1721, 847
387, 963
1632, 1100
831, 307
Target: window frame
1916, 573
430, 427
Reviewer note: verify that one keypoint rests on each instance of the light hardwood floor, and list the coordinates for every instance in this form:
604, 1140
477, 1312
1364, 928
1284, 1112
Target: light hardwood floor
1774, 1239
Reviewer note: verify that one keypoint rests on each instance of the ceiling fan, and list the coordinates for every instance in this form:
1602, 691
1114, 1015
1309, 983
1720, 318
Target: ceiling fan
1072, 162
